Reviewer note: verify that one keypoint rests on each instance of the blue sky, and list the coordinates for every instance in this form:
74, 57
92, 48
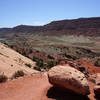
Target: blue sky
39, 12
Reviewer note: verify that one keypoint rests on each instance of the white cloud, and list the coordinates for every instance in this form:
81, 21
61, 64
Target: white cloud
37, 23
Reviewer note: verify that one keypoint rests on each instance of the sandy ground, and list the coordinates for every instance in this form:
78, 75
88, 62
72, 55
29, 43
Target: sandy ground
11, 61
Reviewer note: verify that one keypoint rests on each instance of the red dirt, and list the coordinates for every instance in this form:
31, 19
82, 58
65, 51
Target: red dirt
36, 87
89, 64
27, 88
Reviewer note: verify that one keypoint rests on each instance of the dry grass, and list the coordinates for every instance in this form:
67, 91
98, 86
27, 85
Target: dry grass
18, 73
3, 78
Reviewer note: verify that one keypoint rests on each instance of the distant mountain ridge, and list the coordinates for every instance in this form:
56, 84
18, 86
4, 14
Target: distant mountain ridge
81, 26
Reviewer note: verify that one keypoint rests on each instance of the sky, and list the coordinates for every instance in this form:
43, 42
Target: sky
40, 12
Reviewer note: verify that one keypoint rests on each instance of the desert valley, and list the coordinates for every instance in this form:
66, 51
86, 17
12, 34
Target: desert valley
56, 61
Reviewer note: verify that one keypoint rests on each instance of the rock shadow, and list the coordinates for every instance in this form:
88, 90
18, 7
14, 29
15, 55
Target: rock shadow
97, 97
62, 94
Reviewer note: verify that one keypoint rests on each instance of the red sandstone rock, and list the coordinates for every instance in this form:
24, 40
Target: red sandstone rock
69, 78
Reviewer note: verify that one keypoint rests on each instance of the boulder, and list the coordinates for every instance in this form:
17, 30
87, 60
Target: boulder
69, 78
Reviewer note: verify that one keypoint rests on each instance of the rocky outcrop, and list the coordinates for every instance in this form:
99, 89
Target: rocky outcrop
69, 78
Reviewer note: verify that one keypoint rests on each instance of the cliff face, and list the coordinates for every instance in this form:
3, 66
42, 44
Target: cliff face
81, 26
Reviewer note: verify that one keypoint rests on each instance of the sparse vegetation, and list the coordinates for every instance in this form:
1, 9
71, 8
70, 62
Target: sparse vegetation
28, 65
51, 64
40, 64
37, 68
18, 73
3, 78
71, 57
70, 47
50, 57
97, 62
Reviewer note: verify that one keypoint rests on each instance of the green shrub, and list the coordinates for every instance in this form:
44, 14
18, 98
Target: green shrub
50, 57
3, 78
71, 57
37, 68
51, 64
17, 74
97, 62
39, 62
28, 65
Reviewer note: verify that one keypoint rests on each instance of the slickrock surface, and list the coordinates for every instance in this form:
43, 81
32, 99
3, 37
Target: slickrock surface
11, 61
